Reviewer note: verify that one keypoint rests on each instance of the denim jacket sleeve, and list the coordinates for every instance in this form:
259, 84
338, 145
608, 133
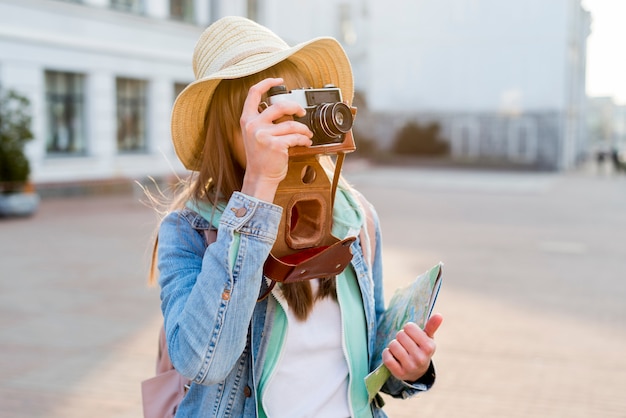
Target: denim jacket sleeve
208, 303
394, 387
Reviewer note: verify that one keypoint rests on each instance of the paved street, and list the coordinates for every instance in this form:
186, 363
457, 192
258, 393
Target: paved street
533, 295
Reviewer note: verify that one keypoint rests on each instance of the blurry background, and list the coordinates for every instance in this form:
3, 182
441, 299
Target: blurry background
472, 81
491, 130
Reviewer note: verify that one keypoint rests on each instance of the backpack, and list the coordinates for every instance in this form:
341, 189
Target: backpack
162, 393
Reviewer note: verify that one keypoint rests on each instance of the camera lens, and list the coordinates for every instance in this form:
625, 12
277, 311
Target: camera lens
332, 120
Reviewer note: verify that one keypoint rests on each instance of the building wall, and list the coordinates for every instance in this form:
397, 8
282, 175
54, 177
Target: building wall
466, 62
101, 44
461, 55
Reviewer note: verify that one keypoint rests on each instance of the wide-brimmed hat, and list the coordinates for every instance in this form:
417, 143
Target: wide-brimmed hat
235, 47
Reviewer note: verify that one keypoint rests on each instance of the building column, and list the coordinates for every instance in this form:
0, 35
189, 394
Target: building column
102, 120
161, 98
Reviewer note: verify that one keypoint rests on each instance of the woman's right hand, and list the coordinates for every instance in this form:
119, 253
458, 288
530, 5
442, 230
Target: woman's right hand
266, 143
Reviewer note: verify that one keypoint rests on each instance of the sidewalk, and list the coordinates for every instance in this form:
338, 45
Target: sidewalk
79, 324
533, 298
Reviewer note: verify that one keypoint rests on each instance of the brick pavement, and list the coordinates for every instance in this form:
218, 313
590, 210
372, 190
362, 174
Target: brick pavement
526, 331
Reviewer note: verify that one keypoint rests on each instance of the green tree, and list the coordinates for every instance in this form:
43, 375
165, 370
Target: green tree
15, 132
414, 139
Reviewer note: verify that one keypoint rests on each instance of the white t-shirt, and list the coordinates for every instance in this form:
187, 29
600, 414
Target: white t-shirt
311, 376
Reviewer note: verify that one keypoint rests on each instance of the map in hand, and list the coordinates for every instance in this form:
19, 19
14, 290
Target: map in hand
412, 303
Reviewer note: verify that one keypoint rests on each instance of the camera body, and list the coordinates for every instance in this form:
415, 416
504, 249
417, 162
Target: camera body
327, 116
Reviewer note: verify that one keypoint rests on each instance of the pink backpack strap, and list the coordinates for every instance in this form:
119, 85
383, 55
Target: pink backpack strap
163, 363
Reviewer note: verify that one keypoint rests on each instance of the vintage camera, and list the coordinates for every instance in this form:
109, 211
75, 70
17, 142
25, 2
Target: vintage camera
326, 115
305, 247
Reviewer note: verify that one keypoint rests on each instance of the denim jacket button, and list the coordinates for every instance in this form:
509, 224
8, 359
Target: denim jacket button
239, 212
247, 391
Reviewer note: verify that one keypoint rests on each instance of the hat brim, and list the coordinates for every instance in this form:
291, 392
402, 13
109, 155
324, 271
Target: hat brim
322, 60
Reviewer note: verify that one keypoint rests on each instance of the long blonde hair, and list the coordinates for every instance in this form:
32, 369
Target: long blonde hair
220, 174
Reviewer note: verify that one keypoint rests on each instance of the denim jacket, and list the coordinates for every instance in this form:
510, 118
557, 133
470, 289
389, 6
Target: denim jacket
215, 328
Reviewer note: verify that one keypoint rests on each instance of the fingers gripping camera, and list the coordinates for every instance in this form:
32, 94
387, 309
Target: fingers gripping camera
326, 115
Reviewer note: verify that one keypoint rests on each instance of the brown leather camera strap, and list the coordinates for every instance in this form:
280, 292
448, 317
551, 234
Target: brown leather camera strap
313, 263
333, 188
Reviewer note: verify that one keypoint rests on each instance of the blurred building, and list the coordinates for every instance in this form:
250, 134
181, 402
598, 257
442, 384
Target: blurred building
607, 123
505, 80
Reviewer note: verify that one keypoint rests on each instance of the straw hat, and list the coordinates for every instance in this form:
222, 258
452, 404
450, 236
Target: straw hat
235, 47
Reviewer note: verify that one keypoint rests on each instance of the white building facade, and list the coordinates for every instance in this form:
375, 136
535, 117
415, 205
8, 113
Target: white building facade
101, 76
505, 80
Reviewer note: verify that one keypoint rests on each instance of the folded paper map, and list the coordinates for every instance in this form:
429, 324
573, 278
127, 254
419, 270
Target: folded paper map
412, 303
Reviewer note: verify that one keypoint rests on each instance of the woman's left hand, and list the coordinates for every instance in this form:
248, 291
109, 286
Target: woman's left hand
408, 356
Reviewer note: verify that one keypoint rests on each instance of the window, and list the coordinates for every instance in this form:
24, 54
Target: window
134, 6
65, 108
182, 10
131, 115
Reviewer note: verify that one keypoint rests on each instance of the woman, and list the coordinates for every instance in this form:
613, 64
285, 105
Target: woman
305, 349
